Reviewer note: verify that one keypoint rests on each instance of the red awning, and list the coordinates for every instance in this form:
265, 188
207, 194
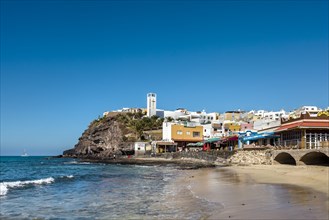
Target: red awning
304, 124
233, 138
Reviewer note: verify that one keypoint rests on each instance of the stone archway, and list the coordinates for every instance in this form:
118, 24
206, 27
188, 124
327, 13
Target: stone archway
315, 158
285, 158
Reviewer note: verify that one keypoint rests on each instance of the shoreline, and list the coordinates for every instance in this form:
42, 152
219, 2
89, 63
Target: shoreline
182, 163
247, 192
314, 177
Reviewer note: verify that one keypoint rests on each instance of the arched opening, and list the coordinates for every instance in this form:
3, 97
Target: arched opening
285, 158
315, 158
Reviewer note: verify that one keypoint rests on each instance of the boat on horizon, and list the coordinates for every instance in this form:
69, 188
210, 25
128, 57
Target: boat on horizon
24, 154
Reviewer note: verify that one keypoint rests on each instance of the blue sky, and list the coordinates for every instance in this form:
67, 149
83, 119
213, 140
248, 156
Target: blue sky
63, 63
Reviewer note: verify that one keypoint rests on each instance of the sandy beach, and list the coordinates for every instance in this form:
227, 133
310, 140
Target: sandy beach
263, 191
315, 177
245, 192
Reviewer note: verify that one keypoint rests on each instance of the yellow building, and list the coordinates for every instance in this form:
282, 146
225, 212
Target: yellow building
182, 134
232, 115
232, 126
188, 134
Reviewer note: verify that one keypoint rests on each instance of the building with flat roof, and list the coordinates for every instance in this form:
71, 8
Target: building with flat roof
307, 131
182, 133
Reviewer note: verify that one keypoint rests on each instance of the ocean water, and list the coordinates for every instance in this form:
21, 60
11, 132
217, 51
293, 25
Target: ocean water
57, 188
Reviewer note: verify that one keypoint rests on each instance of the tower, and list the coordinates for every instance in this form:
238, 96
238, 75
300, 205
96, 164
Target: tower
151, 104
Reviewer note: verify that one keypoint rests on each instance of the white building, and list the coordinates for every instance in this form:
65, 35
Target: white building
268, 120
166, 131
106, 114
207, 131
259, 113
139, 148
275, 116
266, 124
262, 114
181, 114
151, 104
203, 117
312, 110
175, 114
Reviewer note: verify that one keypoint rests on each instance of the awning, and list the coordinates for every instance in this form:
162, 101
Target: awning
165, 143
259, 136
210, 140
234, 138
198, 144
324, 124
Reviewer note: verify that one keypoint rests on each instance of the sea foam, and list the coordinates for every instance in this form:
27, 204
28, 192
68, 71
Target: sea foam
76, 162
5, 186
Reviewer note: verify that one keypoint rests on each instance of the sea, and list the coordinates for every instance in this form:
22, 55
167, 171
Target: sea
65, 188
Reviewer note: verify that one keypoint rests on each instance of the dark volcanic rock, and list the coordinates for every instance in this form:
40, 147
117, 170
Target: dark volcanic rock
103, 138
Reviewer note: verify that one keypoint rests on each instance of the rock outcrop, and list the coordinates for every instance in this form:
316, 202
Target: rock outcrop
103, 138
113, 135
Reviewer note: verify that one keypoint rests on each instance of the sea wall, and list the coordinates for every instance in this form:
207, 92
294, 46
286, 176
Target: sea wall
210, 156
237, 157
253, 157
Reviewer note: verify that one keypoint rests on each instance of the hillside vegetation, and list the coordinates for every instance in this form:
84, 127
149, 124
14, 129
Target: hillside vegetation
111, 135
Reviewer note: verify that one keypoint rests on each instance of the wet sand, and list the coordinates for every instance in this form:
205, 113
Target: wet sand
262, 192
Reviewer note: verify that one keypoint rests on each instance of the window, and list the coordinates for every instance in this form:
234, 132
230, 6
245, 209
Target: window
179, 132
188, 133
196, 134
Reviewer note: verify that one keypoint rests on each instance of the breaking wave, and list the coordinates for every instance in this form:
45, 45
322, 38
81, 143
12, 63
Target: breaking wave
5, 186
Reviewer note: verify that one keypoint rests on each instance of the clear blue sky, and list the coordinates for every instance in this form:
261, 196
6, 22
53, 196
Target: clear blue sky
63, 63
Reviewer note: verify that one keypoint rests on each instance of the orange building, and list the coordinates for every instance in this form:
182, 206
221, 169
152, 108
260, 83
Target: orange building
182, 134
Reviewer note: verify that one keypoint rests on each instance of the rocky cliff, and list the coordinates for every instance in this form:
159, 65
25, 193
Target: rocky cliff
103, 137
112, 135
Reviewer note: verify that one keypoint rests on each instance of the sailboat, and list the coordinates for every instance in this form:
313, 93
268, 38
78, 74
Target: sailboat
24, 154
